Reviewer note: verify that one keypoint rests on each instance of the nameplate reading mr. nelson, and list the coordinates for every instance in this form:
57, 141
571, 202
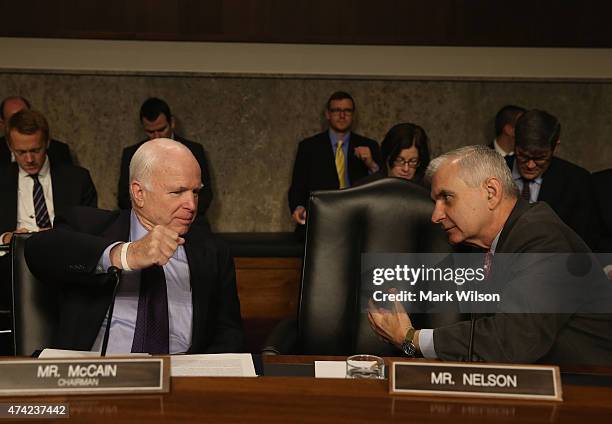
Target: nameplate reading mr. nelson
538, 382
83, 376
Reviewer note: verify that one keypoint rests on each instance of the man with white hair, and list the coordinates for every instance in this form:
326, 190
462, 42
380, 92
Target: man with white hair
177, 291
477, 203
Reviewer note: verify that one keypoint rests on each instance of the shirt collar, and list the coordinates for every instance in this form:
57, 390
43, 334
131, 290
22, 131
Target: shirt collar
495, 241
516, 175
44, 171
137, 230
501, 151
334, 138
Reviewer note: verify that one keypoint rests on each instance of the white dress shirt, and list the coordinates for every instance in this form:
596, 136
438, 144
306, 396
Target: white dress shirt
26, 215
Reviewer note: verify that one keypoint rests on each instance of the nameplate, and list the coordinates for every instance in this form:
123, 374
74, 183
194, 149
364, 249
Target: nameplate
536, 382
84, 376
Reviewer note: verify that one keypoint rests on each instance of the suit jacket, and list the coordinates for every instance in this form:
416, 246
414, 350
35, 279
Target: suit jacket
58, 153
68, 256
528, 338
567, 189
72, 186
602, 210
123, 193
315, 166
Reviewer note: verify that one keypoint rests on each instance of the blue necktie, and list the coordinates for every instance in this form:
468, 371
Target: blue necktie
152, 334
40, 206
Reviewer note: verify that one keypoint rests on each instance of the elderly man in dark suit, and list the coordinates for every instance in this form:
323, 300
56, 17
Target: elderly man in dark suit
177, 291
158, 122
477, 203
333, 159
58, 152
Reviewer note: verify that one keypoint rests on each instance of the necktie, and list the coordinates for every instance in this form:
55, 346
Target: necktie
40, 206
340, 164
526, 192
488, 261
151, 334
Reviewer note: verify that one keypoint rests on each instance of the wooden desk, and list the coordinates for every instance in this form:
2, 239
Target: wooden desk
307, 400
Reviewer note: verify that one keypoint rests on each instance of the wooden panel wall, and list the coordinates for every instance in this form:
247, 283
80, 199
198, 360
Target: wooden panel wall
529, 23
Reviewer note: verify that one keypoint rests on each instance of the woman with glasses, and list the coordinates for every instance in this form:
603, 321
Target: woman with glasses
405, 154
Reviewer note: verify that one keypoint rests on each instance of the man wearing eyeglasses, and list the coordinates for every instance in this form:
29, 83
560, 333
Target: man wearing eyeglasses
333, 159
540, 176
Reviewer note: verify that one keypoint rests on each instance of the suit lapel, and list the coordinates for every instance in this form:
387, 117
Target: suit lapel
328, 160
551, 189
200, 274
519, 209
60, 190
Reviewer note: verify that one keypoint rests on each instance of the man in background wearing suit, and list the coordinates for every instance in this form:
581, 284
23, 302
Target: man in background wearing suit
540, 176
177, 291
158, 122
333, 159
34, 190
505, 120
58, 152
477, 203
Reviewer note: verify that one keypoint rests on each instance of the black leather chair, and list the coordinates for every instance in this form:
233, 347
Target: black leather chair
6, 329
388, 215
35, 313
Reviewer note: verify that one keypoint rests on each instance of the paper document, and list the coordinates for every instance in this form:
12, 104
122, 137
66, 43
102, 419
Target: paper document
213, 365
330, 369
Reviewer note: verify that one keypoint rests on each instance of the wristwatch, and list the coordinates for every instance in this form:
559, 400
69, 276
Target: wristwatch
407, 346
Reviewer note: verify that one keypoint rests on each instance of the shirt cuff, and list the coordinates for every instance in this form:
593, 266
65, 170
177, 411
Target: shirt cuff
105, 262
426, 343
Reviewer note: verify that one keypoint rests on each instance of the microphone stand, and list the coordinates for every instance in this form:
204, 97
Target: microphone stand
471, 345
116, 273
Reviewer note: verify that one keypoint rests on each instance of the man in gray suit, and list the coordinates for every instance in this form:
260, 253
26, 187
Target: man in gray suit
477, 203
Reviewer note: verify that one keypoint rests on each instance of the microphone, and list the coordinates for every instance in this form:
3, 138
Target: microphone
471, 345
115, 273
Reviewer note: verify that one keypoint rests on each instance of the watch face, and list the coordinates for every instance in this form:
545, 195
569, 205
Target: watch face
409, 349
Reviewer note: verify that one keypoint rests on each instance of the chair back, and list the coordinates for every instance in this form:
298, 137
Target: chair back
386, 216
35, 306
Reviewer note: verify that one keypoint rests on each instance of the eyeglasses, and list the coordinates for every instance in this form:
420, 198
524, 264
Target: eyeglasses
338, 111
401, 162
540, 160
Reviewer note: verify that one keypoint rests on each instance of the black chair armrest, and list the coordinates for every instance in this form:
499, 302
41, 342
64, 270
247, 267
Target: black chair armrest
282, 340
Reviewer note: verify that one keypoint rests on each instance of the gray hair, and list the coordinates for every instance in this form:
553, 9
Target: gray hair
147, 157
476, 164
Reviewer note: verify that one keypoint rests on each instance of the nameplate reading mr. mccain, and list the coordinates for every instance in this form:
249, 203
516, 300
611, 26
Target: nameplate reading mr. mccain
84, 376
537, 382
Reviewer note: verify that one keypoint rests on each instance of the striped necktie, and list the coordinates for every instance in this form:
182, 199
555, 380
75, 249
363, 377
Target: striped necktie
40, 206
340, 164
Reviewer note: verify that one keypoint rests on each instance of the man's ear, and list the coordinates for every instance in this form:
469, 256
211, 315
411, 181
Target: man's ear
494, 191
509, 130
137, 192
